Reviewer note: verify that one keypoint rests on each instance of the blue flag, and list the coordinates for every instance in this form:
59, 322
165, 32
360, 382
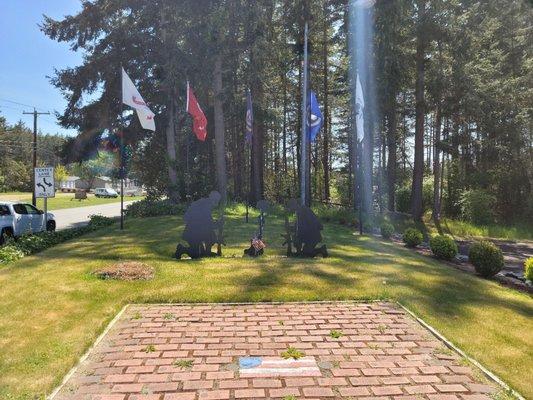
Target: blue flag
249, 118
315, 119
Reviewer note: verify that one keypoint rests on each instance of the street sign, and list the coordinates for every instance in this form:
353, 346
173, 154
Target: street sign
44, 183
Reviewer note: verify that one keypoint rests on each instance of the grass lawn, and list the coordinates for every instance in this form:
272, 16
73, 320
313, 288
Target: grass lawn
52, 308
63, 200
467, 230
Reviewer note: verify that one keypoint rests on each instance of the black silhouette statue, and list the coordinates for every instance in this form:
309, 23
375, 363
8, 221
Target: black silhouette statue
201, 231
305, 234
257, 246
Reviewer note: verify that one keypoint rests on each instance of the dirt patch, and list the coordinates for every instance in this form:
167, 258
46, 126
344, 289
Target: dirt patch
126, 271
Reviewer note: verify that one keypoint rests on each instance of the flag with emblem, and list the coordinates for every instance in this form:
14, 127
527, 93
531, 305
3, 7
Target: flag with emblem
359, 110
132, 97
315, 117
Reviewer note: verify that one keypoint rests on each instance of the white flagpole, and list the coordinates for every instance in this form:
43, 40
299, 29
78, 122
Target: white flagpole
187, 106
121, 152
303, 147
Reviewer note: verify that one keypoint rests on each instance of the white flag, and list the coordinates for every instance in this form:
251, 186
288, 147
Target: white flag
132, 97
359, 109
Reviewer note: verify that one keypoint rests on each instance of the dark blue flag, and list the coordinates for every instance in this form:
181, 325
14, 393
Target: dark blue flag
315, 119
249, 118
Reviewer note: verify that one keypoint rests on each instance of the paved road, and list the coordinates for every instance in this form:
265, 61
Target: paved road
73, 217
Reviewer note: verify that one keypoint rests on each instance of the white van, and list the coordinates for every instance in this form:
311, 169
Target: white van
104, 192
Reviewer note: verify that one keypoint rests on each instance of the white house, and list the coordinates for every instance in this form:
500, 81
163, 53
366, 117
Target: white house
69, 184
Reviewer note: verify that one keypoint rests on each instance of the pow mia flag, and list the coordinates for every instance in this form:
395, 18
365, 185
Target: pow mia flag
359, 110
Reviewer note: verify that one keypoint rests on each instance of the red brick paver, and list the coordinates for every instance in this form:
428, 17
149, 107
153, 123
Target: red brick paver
191, 352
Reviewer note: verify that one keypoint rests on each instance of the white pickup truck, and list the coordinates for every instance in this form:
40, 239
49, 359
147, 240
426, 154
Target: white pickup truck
17, 219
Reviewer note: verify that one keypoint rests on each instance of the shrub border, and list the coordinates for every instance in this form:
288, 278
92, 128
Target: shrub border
77, 232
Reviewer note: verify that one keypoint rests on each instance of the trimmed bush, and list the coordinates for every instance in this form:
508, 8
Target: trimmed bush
443, 247
153, 208
528, 269
412, 237
387, 229
486, 257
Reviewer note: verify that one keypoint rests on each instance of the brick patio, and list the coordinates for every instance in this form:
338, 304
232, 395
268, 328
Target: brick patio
191, 352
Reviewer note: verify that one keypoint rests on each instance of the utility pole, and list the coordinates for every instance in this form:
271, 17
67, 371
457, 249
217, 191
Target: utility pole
35, 115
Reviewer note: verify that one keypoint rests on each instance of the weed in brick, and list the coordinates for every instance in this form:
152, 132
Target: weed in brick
336, 334
183, 364
149, 349
293, 353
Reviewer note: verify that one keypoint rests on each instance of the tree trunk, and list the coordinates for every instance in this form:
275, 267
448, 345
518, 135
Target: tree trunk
170, 131
171, 154
219, 131
417, 208
325, 130
258, 155
392, 156
436, 166
285, 101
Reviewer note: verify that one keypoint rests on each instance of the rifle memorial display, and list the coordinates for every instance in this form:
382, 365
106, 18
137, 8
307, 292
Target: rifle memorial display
257, 245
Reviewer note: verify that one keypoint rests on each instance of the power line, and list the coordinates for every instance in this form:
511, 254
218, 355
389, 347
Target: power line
12, 108
21, 104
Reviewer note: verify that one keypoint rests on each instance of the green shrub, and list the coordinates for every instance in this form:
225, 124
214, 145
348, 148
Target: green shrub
31, 244
477, 206
412, 237
403, 199
99, 221
443, 247
153, 208
387, 229
528, 269
9, 254
486, 257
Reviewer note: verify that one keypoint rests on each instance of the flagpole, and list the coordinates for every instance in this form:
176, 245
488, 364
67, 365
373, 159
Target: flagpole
360, 145
303, 150
121, 154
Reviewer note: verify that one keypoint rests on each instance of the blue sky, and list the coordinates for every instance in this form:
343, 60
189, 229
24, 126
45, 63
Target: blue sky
27, 57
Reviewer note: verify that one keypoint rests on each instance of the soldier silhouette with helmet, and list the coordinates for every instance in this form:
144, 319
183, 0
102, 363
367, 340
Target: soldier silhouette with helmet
305, 234
201, 231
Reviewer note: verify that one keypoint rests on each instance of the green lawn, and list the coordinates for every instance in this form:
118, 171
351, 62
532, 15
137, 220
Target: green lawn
468, 230
52, 308
63, 200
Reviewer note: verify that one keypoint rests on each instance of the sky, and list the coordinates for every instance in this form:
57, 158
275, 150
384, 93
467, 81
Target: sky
27, 57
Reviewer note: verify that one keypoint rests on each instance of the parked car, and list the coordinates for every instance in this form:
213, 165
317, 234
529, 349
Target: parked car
134, 192
17, 219
105, 192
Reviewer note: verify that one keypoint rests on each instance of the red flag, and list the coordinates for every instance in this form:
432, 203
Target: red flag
199, 125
